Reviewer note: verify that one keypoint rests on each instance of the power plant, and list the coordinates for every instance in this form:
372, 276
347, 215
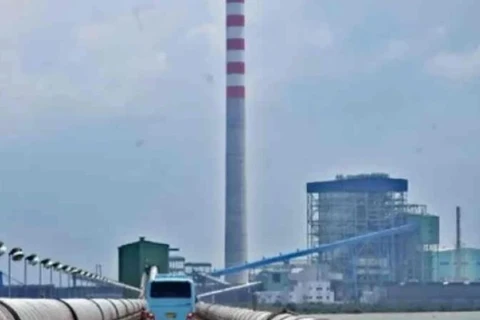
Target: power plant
352, 205
362, 233
235, 193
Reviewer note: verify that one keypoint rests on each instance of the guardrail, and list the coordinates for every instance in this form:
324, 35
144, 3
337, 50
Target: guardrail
70, 309
218, 312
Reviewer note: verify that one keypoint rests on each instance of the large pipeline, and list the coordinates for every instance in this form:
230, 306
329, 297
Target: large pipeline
71, 309
218, 312
147, 276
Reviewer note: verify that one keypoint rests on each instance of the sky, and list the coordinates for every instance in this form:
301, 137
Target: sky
112, 118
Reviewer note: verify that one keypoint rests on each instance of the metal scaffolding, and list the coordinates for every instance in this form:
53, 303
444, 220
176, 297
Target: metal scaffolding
355, 205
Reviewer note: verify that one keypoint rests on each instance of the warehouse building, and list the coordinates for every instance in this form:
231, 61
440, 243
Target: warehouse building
134, 257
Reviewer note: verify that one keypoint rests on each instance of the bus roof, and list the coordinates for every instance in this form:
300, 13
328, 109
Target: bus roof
172, 277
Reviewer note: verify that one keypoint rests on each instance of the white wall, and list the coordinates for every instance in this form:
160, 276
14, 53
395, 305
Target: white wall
314, 272
303, 292
314, 291
271, 297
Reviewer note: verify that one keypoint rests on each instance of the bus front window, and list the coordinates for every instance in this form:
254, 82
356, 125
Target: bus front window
171, 289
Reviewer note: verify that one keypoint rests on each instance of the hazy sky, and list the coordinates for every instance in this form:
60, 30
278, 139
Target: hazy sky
112, 118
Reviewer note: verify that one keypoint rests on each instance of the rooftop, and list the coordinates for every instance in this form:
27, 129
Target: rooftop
142, 240
374, 182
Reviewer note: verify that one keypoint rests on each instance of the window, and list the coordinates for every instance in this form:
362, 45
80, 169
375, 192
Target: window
276, 277
170, 289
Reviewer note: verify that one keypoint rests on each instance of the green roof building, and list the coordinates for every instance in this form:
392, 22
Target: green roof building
134, 257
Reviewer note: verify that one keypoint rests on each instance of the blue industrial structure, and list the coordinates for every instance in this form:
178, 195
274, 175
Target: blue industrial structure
353, 205
360, 184
407, 228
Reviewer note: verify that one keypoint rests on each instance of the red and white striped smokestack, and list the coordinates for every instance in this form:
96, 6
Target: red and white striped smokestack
235, 49
235, 204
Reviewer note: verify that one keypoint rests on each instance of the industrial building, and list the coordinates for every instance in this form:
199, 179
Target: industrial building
360, 204
445, 265
176, 264
362, 236
294, 283
458, 264
198, 267
455, 275
365, 242
134, 257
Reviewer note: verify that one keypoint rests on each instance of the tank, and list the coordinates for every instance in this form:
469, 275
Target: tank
134, 257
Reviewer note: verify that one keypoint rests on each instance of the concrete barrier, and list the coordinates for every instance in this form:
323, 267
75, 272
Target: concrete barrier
218, 312
70, 309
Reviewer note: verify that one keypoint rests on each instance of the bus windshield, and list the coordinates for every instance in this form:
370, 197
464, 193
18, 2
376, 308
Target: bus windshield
170, 289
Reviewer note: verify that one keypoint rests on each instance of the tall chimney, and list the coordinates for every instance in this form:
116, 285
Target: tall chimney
458, 246
235, 193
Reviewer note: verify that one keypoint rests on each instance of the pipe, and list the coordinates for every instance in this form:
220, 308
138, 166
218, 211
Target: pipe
321, 248
219, 312
71, 309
